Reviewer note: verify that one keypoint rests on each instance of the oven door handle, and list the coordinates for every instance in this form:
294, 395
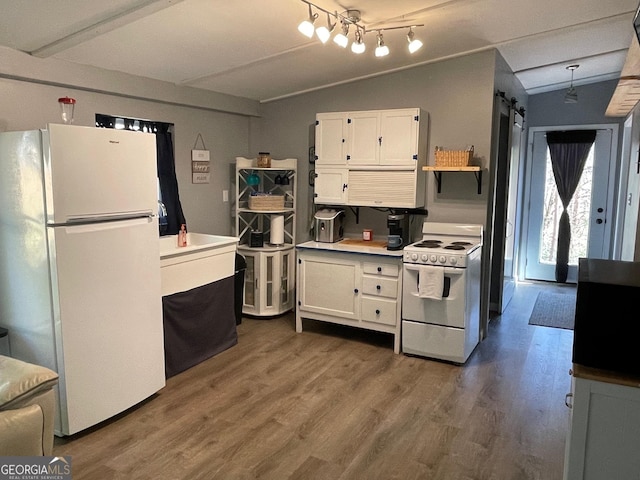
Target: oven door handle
447, 270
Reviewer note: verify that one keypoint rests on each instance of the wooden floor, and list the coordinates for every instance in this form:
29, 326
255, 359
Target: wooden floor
336, 403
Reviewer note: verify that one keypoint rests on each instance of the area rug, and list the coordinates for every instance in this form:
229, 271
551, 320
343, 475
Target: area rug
556, 310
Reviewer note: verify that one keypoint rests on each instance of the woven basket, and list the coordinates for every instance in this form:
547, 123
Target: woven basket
266, 202
453, 158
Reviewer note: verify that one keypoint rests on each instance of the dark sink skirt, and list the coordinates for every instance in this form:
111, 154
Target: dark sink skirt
198, 324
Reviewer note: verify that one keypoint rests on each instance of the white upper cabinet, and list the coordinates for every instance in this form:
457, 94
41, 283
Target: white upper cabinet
363, 137
399, 136
330, 187
331, 139
383, 137
371, 158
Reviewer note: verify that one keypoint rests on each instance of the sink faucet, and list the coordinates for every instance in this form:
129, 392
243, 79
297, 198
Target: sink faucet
162, 218
162, 210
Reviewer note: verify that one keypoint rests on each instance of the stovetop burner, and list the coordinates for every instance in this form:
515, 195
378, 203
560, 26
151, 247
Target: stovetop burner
461, 243
455, 246
428, 244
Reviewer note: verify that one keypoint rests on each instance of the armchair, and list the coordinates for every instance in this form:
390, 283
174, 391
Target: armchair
27, 408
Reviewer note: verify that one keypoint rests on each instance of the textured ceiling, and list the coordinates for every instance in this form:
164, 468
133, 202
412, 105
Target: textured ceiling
252, 48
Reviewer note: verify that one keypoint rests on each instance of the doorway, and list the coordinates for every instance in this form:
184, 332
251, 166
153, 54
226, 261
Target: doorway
591, 210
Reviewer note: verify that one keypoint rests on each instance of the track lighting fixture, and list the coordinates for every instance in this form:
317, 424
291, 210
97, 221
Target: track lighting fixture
306, 26
347, 19
381, 50
572, 95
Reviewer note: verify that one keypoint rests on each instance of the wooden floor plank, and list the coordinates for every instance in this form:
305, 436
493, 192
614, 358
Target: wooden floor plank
336, 403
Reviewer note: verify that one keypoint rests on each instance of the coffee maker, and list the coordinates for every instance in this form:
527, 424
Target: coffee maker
398, 223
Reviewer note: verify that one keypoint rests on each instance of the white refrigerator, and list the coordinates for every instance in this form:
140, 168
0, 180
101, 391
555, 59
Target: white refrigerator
80, 265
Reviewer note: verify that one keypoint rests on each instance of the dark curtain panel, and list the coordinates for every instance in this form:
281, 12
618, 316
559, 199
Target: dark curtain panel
169, 181
569, 151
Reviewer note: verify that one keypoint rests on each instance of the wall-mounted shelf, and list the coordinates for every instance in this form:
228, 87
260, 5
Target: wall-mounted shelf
437, 172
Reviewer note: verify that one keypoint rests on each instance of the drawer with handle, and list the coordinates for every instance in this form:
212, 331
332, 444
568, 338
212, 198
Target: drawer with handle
379, 310
379, 286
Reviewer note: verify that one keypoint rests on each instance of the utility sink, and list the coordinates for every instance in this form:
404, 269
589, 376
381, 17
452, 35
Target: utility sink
205, 259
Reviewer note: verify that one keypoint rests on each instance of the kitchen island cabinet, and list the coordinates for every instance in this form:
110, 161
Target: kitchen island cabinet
349, 288
604, 434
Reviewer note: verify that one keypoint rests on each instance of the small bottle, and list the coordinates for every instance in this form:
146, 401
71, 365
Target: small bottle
182, 236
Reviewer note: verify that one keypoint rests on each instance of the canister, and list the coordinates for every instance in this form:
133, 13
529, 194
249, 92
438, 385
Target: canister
264, 160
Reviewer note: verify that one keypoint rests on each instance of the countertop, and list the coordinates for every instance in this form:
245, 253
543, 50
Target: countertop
353, 245
607, 376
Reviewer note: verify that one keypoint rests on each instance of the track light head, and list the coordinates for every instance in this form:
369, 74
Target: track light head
324, 33
358, 45
306, 26
381, 50
342, 38
414, 43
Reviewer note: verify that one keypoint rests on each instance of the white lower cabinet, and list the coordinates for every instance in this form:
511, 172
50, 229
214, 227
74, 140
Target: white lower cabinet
359, 290
269, 281
604, 436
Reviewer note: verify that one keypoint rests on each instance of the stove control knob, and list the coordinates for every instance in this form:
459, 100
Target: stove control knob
442, 259
433, 258
453, 260
424, 258
414, 256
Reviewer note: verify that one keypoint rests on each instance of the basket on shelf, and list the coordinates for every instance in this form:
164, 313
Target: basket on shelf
266, 202
453, 158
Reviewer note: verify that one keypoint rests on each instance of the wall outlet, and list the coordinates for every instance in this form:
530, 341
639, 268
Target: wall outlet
225, 195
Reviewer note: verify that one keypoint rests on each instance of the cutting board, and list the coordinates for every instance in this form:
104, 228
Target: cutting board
364, 243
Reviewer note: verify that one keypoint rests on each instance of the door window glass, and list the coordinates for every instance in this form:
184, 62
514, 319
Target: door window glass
579, 215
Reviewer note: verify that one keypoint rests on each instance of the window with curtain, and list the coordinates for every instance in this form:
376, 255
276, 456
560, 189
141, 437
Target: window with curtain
170, 214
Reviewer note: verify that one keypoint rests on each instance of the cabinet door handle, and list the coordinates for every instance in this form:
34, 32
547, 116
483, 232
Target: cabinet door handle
355, 290
379, 269
377, 312
379, 140
378, 287
567, 398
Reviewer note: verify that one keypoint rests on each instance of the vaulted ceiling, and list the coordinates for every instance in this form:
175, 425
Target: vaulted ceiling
252, 48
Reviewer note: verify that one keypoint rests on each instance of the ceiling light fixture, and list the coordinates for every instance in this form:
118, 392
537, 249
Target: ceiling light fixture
381, 50
306, 26
572, 95
346, 19
342, 38
324, 33
414, 43
358, 45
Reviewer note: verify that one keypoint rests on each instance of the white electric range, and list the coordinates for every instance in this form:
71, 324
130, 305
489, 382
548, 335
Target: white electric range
441, 292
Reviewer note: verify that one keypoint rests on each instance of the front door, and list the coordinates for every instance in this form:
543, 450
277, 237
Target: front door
589, 211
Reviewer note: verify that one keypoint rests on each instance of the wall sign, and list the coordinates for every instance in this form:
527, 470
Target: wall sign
200, 167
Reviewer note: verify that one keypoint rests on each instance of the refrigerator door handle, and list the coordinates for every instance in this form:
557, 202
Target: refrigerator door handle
100, 226
76, 221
